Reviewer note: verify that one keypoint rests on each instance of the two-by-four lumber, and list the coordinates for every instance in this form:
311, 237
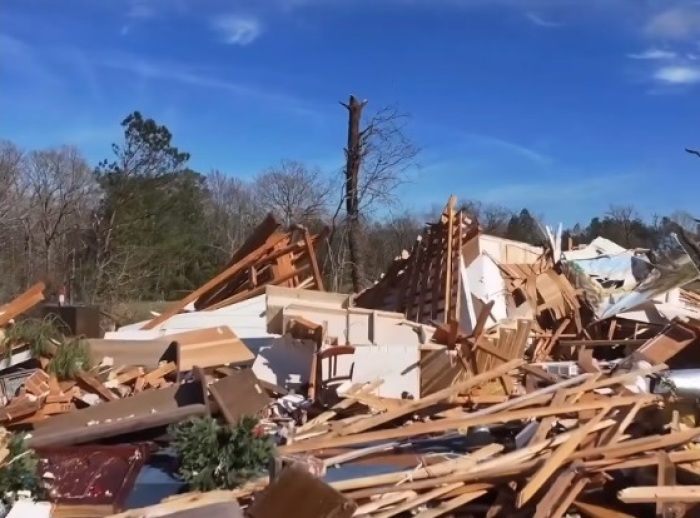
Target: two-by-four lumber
428, 401
447, 425
22, 303
557, 458
656, 494
243, 264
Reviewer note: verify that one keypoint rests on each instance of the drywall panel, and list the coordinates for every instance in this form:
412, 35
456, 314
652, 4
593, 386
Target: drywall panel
397, 365
277, 298
246, 319
285, 362
356, 326
486, 284
467, 316
507, 251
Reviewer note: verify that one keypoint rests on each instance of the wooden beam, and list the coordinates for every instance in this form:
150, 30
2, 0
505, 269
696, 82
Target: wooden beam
428, 401
243, 264
660, 494
557, 458
311, 251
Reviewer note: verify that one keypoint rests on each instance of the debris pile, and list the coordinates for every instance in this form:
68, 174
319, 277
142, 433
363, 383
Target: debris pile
478, 377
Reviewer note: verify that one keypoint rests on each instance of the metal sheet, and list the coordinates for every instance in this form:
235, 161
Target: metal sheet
683, 382
673, 268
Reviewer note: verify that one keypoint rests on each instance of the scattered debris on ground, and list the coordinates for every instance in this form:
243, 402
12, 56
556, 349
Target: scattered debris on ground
478, 377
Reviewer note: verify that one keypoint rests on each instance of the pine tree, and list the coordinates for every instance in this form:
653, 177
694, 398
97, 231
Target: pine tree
215, 456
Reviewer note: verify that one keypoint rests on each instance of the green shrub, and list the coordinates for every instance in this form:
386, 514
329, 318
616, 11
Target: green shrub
19, 473
215, 456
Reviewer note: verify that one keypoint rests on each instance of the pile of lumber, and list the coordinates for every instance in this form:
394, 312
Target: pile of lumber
475, 378
579, 444
42, 395
269, 257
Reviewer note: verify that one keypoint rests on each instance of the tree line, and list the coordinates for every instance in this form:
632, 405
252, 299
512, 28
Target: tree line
142, 225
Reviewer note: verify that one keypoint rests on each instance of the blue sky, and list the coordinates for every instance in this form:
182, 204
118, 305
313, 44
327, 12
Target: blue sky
564, 106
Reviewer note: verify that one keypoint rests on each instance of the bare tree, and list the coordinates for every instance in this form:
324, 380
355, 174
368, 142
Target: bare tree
377, 158
624, 217
12, 166
61, 191
293, 191
13, 210
685, 220
493, 218
234, 212
387, 154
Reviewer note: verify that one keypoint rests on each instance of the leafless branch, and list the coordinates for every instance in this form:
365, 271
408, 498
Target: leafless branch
293, 191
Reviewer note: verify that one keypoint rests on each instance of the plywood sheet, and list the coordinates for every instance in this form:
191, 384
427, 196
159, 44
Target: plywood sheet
210, 347
146, 353
239, 394
320, 500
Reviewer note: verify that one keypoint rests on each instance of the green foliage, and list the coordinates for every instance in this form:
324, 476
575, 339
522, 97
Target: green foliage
72, 357
42, 335
20, 471
627, 230
523, 227
147, 150
215, 456
154, 212
45, 338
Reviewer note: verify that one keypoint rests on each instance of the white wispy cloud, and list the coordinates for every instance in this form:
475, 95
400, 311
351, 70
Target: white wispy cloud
654, 54
557, 192
138, 12
681, 22
506, 145
21, 59
671, 59
678, 75
149, 69
238, 30
540, 21
141, 11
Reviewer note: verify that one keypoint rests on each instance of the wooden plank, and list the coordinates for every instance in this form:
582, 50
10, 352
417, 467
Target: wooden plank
245, 295
450, 505
373, 422
666, 476
562, 483
22, 303
422, 473
239, 395
449, 245
282, 495
568, 498
598, 511
186, 502
420, 499
557, 458
243, 264
96, 386
660, 494
444, 425
210, 347
318, 277
424, 272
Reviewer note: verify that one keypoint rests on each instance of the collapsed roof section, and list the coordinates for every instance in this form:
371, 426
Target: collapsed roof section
453, 272
270, 256
425, 284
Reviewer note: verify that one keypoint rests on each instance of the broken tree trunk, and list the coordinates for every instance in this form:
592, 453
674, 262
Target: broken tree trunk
353, 156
